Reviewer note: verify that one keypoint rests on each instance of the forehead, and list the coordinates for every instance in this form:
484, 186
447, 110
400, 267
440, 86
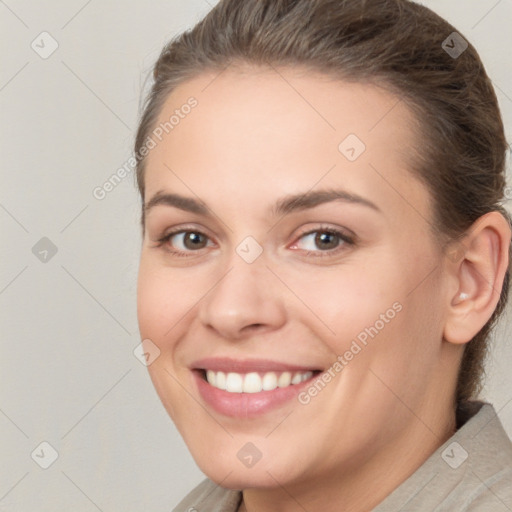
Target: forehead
260, 131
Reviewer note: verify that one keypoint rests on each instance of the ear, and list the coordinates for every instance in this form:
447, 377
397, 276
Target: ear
478, 265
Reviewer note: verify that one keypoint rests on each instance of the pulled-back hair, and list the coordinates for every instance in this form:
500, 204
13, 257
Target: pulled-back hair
396, 44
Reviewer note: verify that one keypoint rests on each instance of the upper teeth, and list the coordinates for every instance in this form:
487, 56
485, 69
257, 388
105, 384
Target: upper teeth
254, 382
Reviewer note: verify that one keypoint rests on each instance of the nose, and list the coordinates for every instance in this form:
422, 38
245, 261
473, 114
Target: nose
246, 298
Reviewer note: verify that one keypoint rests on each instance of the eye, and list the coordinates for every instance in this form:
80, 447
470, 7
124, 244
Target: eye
326, 240
183, 241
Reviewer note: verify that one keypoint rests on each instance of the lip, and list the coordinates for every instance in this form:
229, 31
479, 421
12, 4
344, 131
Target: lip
227, 364
246, 405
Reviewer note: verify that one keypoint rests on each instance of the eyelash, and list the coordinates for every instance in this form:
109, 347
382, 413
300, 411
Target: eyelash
346, 239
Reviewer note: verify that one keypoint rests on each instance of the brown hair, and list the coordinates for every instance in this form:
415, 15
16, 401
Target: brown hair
396, 44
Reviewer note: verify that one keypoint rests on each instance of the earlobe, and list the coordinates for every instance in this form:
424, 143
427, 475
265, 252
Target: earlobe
478, 275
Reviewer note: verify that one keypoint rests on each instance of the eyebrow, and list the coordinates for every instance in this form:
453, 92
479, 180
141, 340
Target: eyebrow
284, 206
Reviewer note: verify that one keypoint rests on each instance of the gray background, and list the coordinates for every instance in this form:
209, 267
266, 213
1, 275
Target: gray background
68, 374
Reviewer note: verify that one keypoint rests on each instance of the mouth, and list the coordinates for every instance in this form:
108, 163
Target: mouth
249, 388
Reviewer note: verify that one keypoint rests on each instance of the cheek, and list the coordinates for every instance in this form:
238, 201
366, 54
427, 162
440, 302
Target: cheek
345, 301
157, 313
375, 313
151, 299
159, 308
162, 299
401, 358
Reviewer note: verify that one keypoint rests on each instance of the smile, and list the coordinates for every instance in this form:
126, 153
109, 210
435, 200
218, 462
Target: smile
249, 388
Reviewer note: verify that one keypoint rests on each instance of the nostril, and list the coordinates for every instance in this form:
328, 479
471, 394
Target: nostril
255, 326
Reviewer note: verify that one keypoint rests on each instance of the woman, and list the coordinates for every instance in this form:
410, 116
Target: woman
324, 256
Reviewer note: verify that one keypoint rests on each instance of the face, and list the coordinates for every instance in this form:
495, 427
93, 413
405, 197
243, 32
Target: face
288, 276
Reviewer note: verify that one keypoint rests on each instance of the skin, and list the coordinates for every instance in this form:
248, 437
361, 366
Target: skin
252, 139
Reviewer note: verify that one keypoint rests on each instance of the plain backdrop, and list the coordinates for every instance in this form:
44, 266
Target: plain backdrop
68, 374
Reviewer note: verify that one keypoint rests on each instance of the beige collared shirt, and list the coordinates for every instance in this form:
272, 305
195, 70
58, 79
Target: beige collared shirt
471, 472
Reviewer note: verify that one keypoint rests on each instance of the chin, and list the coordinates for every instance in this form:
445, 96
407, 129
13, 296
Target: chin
239, 479
229, 469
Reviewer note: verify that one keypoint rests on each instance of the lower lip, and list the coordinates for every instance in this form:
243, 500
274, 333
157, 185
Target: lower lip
246, 405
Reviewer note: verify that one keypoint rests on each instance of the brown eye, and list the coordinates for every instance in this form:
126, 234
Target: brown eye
184, 241
322, 240
192, 240
326, 240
